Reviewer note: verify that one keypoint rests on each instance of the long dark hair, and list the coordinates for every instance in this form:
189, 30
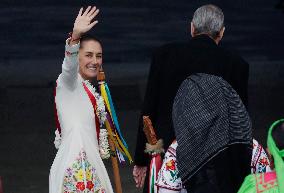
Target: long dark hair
88, 37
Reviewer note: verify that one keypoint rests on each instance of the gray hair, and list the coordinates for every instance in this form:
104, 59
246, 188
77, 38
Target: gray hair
208, 19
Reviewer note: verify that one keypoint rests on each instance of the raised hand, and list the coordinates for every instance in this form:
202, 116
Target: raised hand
84, 21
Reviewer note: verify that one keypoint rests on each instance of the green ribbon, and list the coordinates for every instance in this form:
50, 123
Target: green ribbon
277, 156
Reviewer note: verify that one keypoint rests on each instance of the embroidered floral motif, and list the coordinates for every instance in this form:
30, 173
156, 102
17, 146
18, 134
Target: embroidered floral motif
259, 162
80, 186
82, 177
264, 161
168, 175
170, 165
90, 185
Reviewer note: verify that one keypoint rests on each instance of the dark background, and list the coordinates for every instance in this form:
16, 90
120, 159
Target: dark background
32, 36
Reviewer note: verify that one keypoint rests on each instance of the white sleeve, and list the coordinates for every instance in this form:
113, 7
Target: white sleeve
69, 75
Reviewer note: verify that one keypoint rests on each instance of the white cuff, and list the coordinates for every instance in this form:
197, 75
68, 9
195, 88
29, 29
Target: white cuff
74, 49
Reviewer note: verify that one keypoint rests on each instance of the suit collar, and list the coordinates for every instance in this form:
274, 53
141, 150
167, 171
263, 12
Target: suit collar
204, 39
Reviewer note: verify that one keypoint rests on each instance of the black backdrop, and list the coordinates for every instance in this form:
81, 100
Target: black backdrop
32, 38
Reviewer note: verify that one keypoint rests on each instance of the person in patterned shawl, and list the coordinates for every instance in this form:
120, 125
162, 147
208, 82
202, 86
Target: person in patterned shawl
169, 180
214, 135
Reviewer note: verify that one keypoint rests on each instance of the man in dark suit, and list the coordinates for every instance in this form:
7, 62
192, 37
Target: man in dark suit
172, 63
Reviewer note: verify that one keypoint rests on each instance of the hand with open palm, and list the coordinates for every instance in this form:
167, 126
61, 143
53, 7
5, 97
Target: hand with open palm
84, 21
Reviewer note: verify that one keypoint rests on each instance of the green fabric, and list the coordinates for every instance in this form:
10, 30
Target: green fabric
249, 185
252, 183
256, 183
277, 157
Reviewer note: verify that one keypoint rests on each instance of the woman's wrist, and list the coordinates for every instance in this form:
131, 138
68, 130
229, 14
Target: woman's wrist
76, 34
74, 37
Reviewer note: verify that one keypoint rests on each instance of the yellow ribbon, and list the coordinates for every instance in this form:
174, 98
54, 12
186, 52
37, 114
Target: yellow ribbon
113, 134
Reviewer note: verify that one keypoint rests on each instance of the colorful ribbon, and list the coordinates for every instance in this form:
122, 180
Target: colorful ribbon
113, 126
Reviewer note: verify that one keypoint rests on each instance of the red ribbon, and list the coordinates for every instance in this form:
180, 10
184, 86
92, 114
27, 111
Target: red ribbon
94, 103
57, 123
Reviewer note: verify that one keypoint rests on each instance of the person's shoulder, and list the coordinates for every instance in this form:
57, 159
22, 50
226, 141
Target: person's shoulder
229, 51
233, 55
171, 46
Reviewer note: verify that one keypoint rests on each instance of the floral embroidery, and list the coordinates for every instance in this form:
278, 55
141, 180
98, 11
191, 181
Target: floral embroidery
90, 185
264, 161
168, 175
259, 162
170, 165
80, 186
82, 177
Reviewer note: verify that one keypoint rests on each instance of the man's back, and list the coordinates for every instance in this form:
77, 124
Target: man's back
171, 64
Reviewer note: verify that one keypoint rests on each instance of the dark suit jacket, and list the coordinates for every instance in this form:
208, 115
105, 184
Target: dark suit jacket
171, 64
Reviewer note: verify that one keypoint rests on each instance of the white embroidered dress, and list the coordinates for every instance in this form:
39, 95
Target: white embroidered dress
77, 166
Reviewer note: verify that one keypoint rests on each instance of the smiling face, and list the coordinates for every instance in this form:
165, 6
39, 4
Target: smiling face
90, 59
